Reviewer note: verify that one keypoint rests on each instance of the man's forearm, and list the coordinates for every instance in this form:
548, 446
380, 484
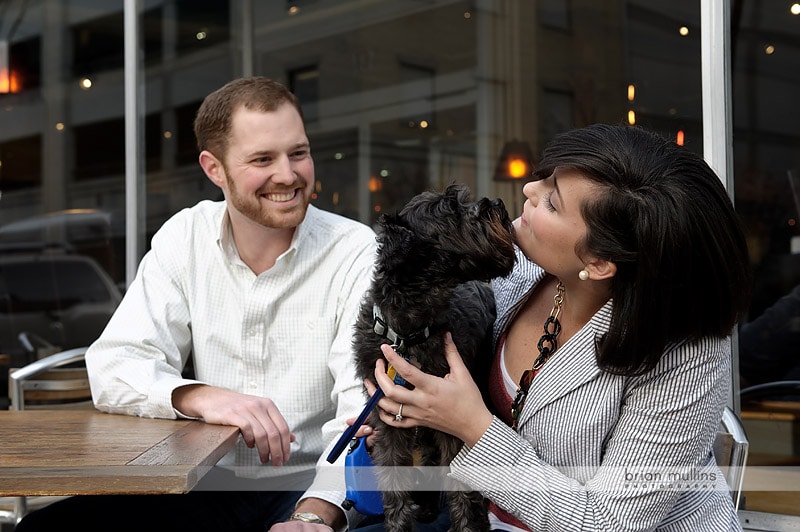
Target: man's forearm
185, 399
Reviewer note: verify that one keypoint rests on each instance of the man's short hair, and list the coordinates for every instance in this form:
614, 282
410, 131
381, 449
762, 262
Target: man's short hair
212, 125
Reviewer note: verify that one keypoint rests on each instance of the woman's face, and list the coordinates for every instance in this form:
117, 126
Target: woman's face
551, 223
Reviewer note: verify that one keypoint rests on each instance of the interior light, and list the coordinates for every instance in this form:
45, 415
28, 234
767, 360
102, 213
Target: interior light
423, 124
9, 80
60, 126
168, 134
517, 168
631, 117
293, 10
85, 83
374, 184
769, 49
631, 92
200, 35
795, 9
5, 80
683, 30
515, 162
679, 138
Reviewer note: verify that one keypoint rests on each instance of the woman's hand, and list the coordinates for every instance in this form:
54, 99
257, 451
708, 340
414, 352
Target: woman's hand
451, 404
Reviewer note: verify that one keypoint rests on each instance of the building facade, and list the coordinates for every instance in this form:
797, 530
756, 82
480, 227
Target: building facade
97, 100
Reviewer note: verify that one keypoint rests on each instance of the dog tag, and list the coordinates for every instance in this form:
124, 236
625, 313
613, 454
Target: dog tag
392, 373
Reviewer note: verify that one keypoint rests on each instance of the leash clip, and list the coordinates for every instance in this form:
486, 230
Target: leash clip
400, 347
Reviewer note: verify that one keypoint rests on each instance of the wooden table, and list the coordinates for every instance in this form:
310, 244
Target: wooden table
73, 452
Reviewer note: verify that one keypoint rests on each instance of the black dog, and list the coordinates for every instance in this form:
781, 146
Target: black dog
433, 260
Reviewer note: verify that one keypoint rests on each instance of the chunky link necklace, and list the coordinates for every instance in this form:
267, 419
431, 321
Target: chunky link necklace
548, 343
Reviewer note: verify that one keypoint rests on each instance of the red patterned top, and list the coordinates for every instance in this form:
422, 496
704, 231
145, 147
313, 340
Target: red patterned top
501, 401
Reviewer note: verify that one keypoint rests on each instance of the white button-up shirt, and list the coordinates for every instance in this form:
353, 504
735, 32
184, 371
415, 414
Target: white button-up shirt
285, 334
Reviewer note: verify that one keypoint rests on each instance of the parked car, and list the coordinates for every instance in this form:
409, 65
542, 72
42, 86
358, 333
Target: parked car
74, 231
55, 301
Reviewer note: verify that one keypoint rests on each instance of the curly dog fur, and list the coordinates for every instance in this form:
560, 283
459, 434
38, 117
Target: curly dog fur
433, 262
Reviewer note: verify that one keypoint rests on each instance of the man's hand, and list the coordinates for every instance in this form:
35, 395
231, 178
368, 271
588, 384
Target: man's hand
259, 420
364, 430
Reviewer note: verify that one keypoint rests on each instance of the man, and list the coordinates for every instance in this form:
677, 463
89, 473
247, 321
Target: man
262, 291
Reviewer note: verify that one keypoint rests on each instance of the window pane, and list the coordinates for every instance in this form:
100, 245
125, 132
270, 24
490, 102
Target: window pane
400, 97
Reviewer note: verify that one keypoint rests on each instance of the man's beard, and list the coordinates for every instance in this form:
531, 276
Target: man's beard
276, 217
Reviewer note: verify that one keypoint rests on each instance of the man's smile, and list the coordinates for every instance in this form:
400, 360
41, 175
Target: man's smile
280, 196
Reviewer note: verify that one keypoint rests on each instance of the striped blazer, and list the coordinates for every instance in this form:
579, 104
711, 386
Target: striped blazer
596, 451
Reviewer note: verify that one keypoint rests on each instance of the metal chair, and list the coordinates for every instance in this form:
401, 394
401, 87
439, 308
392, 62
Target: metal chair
730, 450
45, 384
773, 391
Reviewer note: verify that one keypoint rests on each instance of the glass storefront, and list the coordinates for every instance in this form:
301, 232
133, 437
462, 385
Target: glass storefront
399, 97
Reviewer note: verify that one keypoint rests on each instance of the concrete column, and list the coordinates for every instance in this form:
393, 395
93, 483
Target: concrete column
56, 136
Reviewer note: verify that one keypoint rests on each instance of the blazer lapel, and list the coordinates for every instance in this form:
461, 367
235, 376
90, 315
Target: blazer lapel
573, 365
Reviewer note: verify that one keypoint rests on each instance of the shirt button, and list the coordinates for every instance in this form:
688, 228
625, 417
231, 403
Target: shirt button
253, 331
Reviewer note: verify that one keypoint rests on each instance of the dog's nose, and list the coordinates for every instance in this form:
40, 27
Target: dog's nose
498, 203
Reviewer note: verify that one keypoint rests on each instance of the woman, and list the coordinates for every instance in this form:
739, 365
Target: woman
612, 363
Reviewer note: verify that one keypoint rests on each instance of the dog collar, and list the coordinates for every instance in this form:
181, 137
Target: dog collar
400, 343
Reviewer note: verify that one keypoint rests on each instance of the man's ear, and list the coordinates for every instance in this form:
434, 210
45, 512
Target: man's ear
213, 168
600, 269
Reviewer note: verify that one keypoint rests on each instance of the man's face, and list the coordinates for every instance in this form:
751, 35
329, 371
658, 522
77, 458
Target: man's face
268, 167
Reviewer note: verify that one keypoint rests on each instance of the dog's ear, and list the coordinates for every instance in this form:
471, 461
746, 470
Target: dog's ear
395, 237
398, 244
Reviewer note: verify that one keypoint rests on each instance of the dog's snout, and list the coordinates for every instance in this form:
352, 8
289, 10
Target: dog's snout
485, 205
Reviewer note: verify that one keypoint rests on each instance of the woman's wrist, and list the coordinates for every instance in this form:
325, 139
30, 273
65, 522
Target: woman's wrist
477, 427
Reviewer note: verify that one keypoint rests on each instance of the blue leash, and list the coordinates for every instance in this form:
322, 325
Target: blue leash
349, 434
399, 344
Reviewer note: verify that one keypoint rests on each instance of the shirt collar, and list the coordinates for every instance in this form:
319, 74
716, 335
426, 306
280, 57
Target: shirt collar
225, 240
228, 246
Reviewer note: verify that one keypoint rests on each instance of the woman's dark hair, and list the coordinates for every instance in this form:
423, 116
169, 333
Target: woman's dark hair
664, 218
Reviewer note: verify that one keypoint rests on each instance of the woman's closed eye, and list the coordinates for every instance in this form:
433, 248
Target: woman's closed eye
547, 203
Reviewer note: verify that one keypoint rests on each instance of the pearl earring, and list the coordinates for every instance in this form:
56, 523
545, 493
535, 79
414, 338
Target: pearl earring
583, 275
